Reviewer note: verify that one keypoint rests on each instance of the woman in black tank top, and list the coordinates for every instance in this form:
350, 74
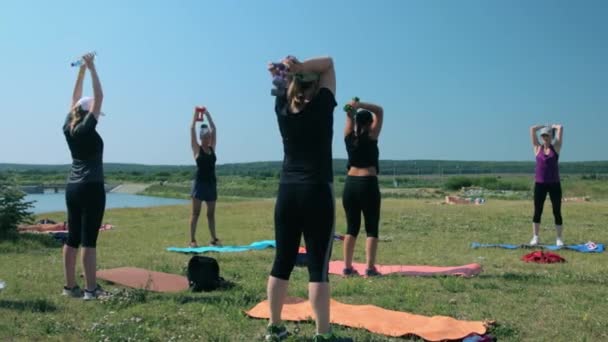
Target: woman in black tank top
204, 188
305, 201
361, 190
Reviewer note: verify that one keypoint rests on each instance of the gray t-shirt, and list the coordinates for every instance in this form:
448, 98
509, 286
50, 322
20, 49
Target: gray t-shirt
86, 147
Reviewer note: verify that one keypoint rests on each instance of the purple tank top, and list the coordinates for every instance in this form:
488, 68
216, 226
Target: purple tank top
547, 170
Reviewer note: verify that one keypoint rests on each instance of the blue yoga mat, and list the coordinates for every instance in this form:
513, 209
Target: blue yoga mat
254, 246
583, 247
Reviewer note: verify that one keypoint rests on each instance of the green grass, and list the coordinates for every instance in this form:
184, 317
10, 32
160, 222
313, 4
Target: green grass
530, 302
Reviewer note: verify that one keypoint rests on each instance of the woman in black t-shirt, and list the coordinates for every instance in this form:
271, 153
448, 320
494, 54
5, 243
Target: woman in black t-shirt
204, 188
305, 201
361, 190
85, 192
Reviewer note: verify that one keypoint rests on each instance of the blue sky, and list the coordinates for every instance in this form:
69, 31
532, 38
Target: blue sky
459, 80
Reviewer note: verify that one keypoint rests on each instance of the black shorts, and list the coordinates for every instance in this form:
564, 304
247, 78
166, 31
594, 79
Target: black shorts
205, 191
304, 210
86, 203
362, 196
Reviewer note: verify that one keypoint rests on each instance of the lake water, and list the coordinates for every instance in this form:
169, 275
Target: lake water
56, 202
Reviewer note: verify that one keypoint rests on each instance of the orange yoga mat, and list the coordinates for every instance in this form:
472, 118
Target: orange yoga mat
378, 320
140, 278
336, 267
50, 228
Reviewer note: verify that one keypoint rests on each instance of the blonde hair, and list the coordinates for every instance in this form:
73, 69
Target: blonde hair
76, 116
296, 89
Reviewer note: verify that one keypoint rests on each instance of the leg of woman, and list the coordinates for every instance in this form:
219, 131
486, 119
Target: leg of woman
287, 235
371, 213
540, 194
95, 205
196, 211
211, 219
70, 249
318, 206
352, 210
555, 194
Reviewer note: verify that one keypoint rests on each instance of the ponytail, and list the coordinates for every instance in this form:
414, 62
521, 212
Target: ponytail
76, 117
363, 119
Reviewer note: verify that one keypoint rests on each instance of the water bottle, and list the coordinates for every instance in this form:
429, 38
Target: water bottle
348, 108
81, 61
2, 285
200, 110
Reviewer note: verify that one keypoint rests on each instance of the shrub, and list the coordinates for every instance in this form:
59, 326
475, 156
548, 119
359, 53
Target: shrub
13, 210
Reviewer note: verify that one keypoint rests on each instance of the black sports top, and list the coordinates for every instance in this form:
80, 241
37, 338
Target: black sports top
86, 148
362, 151
307, 139
205, 165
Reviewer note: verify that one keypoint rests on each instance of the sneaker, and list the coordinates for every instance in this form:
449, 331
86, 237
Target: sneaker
74, 292
275, 333
331, 337
559, 242
215, 243
347, 272
372, 272
97, 293
534, 241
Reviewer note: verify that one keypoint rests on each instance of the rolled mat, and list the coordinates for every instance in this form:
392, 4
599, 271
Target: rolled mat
225, 249
470, 270
378, 320
52, 228
589, 247
139, 278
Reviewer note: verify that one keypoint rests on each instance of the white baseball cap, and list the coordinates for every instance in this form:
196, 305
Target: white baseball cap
86, 103
546, 131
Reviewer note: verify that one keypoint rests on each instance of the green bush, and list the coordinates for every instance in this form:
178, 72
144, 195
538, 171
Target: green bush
456, 183
13, 210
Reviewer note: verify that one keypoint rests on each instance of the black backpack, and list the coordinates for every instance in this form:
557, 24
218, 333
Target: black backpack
203, 274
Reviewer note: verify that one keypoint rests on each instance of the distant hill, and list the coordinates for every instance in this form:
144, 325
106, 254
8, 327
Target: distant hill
387, 167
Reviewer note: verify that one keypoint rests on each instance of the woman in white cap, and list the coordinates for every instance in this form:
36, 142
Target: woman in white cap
204, 188
85, 192
547, 177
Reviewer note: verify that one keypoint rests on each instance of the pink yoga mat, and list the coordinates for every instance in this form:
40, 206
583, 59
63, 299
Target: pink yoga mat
336, 267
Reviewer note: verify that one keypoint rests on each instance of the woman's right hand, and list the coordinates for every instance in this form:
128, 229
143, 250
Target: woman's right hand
89, 60
354, 104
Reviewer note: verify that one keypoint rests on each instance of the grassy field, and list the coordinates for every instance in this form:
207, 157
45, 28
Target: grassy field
530, 302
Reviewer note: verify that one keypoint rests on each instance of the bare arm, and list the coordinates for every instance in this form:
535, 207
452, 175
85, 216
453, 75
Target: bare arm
193, 142
97, 91
324, 66
378, 118
77, 94
350, 125
534, 138
213, 130
559, 137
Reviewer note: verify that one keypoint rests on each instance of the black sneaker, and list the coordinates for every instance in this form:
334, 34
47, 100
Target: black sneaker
347, 272
372, 272
74, 292
275, 333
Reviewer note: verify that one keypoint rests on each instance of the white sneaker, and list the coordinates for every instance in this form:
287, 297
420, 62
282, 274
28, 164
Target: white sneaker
534, 240
559, 242
97, 293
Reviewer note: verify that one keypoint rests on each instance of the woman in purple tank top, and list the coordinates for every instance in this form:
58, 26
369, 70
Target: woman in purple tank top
546, 180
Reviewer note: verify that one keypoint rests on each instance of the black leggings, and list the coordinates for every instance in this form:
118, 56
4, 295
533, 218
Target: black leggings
86, 203
304, 209
555, 194
362, 194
